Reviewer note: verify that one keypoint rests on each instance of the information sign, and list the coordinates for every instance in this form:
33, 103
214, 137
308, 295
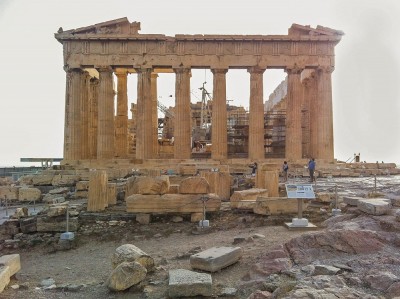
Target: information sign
299, 191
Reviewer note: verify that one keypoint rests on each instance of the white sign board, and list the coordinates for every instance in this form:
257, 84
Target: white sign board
299, 191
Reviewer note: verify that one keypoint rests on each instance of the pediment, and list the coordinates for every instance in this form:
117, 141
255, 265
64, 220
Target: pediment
117, 26
297, 29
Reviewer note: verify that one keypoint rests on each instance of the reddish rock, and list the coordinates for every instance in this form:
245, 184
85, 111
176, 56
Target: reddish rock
260, 295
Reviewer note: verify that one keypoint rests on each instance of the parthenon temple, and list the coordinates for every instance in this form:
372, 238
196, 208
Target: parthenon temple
97, 124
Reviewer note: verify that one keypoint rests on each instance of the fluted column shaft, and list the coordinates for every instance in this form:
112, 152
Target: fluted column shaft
325, 115
219, 133
105, 127
154, 113
182, 128
144, 146
293, 149
72, 126
93, 117
121, 120
85, 90
311, 87
256, 117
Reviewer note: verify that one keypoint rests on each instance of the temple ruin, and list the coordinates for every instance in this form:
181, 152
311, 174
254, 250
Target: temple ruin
95, 132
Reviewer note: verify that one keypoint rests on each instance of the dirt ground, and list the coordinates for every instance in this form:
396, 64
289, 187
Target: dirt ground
86, 267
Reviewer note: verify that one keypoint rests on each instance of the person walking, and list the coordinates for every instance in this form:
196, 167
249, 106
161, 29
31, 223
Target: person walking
285, 169
311, 169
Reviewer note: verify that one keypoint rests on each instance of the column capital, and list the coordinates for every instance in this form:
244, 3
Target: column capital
67, 69
103, 68
326, 68
256, 70
219, 71
120, 72
181, 70
143, 69
293, 70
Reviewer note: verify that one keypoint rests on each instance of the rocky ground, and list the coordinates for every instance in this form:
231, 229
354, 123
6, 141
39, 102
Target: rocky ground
354, 255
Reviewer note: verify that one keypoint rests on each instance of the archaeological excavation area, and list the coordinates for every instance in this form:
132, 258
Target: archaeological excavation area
170, 205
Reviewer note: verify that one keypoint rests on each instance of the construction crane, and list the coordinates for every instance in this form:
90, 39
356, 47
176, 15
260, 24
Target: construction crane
165, 110
204, 107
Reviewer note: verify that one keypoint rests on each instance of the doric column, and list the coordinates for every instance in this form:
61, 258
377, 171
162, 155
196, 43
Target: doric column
325, 114
144, 139
293, 115
154, 113
219, 133
256, 117
72, 126
105, 127
182, 128
310, 96
121, 120
85, 89
93, 119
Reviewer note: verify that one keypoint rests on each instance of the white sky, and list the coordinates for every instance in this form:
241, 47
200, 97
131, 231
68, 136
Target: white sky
366, 80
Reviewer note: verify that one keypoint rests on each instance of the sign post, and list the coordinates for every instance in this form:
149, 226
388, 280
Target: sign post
300, 192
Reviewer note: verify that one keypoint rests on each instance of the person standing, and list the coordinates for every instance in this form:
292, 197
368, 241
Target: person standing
311, 169
285, 169
253, 167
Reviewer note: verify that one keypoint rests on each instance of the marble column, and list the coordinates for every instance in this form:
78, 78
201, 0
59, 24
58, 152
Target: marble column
325, 115
85, 90
154, 113
72, 126
121, 120
219, 138
93, 111
293, 150
182, 128
144, 139
256, 116
105, 127
311, 94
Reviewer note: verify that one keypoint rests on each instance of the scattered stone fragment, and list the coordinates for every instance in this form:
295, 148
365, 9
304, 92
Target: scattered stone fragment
126, 275
4, 277
228, 292
374, 206
177, 219
47, 282
131, 253
215, 258
352, 200
238, 239
13, 261
143, 218
185, 283
325, 270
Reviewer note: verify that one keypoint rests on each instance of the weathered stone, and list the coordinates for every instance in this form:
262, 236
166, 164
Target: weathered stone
247, 195
143, 218
28, 225
112, 193
29, 194
57, 224
352, 200
194, 185
394, 290
12, 261
215, 258
397, 215
185, 283
172, 203
131, 253
173, 189
268, 180
325, 270
53, 198
47, 282
260, 295
26, 180
62, 190
65, 180
42, 179
82, 186
220, 183
11, 226
381, 280
9, 193
20, 212
98, 196
57, 210
126, 275
4, 277
81, 194
147, 185
277, 206
375, 206
177, 219
324, 197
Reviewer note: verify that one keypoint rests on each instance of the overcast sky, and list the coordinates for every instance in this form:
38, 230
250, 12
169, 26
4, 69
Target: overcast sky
366, 80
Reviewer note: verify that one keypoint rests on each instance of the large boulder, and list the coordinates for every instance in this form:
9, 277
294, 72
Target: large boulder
147, 185
131, 253
194, 185
375, 206
126, 275
12, 261
29, 194
215, 258
8, 192
247, 195
65, 180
